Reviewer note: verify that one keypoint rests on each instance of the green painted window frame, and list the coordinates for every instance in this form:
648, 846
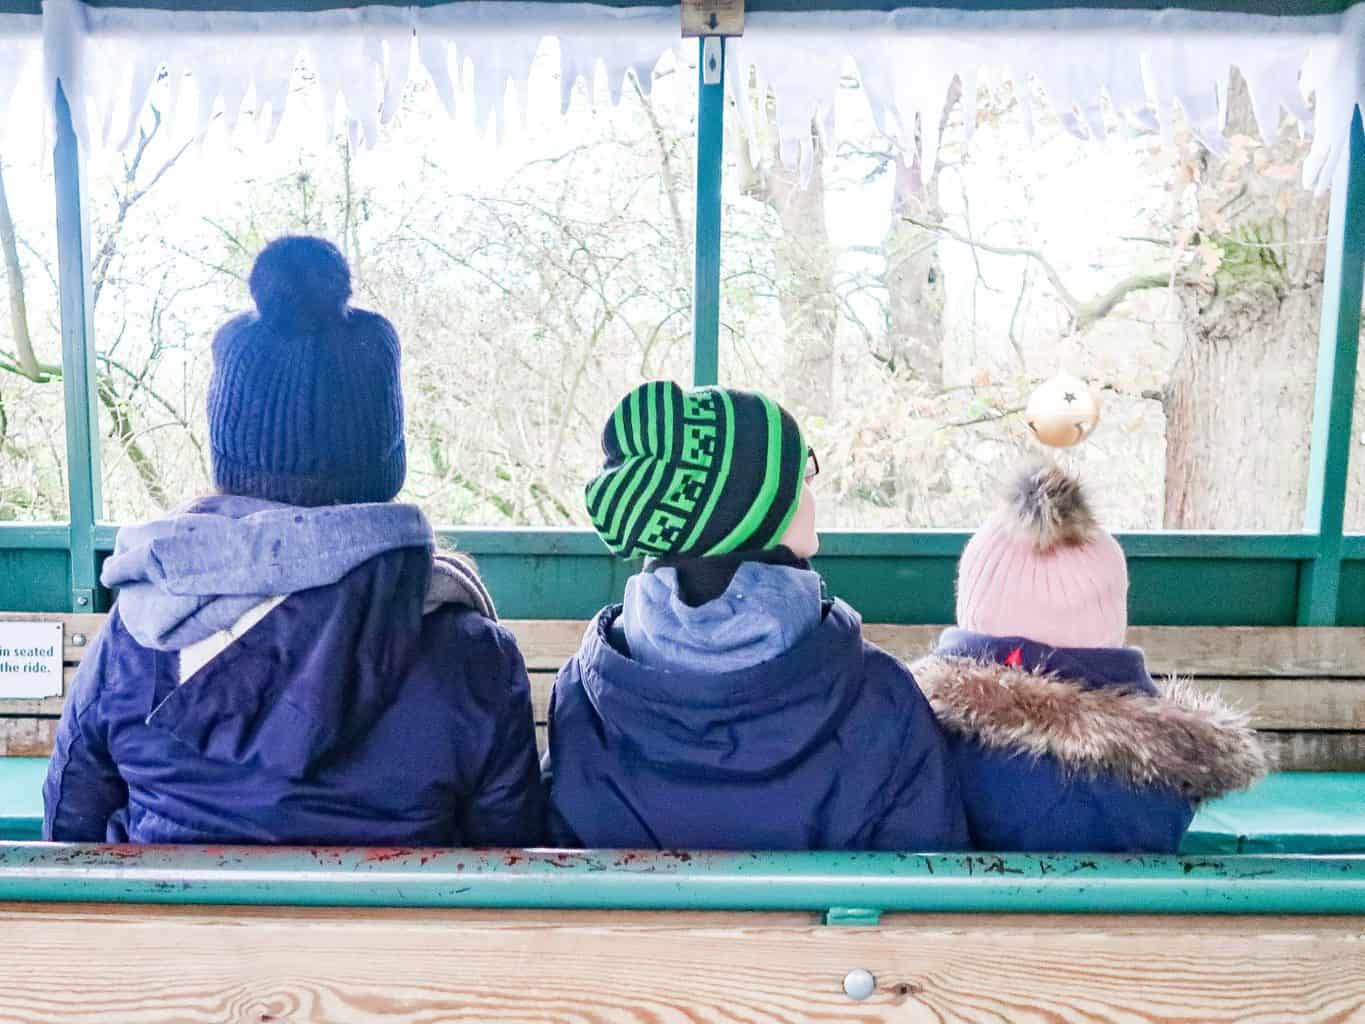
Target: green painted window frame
1323, 558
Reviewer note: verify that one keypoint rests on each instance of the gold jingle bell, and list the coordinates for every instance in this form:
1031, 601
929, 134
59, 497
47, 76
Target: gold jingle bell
1062, 411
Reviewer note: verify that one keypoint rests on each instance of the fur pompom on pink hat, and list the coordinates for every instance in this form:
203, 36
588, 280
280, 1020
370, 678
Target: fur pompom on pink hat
1042, 568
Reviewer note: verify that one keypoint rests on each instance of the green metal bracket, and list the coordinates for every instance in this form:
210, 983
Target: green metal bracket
710, 168
852, 917
78, 360
1338, 348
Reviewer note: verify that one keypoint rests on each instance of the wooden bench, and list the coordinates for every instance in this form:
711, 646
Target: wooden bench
162, 934
1304, 686
274, 935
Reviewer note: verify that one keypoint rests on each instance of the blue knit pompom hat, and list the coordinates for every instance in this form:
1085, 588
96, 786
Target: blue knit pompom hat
305, 404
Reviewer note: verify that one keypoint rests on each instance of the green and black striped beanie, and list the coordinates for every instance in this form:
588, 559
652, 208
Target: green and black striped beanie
694, 473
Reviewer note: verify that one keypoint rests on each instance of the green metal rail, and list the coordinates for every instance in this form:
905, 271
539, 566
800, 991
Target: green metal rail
84, 499
1338, 353
869, 883
1313, 578
710, 172
1177, 579
1273, 8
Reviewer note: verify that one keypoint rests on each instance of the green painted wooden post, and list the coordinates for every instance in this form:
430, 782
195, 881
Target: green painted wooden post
1338, 347
78, 361
710, 154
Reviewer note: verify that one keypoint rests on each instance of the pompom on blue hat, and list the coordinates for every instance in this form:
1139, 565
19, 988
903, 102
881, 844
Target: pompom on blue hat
305, 404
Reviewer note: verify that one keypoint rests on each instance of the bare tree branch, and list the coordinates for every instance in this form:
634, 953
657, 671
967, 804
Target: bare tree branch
1063, 293
104, 258
668, 179
18, 307
1014, 319
127, 435
1097, 309
10, 364
987, 418
1083, 312
140, 384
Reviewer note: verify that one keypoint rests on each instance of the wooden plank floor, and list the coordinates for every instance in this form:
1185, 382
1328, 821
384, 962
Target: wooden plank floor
160, 965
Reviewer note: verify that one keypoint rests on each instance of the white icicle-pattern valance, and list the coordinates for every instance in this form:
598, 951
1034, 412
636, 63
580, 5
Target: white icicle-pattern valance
108, 58
21, 52
1144, 63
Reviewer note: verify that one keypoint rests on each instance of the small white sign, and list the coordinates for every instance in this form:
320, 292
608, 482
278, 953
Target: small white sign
30, 660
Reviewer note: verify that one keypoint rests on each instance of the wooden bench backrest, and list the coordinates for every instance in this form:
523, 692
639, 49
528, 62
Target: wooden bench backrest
1304, 686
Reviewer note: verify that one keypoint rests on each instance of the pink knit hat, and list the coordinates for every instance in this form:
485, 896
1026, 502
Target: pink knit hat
1043, 569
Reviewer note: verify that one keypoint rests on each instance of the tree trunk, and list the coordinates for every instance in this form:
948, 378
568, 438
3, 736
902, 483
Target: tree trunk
805, 274
1240, 399
18, 308
914, 278
805, 268
1238, 413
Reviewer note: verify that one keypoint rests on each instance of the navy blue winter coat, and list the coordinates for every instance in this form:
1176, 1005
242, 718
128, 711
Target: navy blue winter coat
1079, 749
829, 746
344, 716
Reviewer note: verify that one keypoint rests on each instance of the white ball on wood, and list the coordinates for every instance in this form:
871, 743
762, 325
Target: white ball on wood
1062, 411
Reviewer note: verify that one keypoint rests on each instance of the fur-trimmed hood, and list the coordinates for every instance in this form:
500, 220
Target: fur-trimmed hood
1167, 734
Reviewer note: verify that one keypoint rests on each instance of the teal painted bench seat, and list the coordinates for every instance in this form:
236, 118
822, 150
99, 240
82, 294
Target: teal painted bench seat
21, 797
1290, 812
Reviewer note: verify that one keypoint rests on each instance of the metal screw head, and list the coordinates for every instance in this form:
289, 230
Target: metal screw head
859, 984
77, 639
82, 600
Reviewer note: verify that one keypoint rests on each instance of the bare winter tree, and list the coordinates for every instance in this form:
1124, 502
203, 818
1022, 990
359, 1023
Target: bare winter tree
1240, 399
914, 274
528, 303
805, 270
116, 384
18, 304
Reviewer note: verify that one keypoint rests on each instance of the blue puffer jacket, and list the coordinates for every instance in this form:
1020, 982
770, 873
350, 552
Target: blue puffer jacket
828, 746
357, 712
1079, 749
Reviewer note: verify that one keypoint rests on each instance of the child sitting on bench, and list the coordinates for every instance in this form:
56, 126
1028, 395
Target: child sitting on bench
727, 704
287, 662
1062, 739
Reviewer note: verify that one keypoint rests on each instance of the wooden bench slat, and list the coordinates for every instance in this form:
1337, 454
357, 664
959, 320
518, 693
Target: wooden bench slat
27, 737
1227, 651
1220, 651
1316, 751
1296, 751
78, 630
1306, 704
158, 964
34, 737
1307, 685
